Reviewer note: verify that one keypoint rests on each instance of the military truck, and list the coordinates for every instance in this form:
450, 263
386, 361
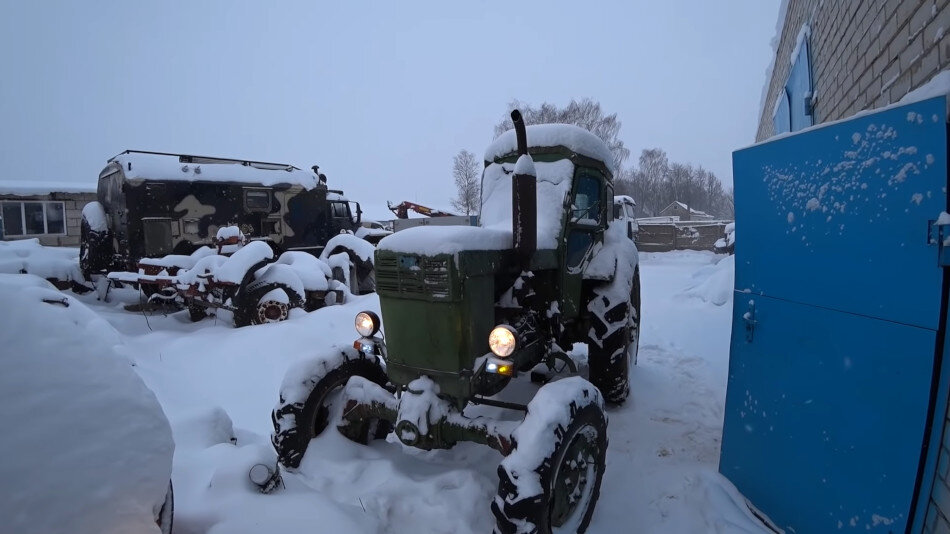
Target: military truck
151, 204
467, 309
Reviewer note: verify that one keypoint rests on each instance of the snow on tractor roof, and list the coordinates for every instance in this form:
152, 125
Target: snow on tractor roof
569, 136
145, 166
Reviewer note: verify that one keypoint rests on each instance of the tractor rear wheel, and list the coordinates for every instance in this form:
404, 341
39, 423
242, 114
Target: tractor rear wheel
307, 395
614, 339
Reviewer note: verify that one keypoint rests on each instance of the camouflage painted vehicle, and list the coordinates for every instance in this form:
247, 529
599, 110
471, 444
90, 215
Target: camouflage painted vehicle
467, 309
152, 204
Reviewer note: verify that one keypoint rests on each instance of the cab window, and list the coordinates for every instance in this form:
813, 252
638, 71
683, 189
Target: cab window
257, 200
340, 210
586, 205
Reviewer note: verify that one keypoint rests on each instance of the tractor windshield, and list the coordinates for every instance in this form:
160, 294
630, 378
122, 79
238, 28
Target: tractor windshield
554, 185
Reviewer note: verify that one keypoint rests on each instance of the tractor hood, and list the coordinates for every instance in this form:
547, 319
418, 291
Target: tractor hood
435, 240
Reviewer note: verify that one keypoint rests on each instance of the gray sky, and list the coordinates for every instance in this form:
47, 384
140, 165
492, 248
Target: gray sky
381, 95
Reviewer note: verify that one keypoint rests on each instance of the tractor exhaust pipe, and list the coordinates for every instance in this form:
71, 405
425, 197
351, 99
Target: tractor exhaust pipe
524, 198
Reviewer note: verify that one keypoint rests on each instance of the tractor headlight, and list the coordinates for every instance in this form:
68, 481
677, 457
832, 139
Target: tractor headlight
502, 341
367, 323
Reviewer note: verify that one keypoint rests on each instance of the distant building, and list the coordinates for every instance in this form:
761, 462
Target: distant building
678, 209
49, 211
834, 59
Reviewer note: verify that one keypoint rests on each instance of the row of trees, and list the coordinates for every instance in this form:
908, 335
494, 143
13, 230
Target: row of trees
654, 183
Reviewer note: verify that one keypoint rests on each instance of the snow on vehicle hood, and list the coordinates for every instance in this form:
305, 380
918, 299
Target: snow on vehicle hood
432, 240
86, 446
28, 256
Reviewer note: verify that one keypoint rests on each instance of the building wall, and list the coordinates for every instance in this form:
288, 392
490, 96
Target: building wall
73, 204
864, 54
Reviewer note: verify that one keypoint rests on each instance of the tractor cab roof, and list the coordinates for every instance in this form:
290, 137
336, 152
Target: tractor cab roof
553, 138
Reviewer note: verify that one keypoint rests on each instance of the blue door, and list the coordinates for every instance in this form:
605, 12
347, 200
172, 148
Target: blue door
837, 310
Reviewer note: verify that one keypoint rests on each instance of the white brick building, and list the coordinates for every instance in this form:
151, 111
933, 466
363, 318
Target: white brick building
49, 211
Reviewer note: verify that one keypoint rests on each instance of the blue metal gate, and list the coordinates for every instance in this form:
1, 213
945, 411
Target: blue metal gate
836, 319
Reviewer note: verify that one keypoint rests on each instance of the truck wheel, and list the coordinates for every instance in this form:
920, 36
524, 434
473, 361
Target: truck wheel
166, 516
266, 303
569, 477
95, 250
307, 395
613, 340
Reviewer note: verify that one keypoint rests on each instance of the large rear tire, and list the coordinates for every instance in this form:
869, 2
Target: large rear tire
307, 396
614, 339
569, 477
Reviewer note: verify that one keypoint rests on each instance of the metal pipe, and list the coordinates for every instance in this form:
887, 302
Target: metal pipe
520, 132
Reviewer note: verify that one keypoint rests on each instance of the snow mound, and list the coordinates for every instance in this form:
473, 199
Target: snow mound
95, 216
362, 248
714, 283
87, 447
28, 256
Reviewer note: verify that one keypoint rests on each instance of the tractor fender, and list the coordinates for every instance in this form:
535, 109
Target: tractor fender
617, 254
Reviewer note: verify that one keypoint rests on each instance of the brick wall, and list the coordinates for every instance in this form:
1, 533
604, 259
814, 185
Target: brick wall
864, 54
73, 203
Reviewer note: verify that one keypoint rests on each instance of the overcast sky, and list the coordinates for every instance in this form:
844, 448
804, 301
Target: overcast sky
380, 95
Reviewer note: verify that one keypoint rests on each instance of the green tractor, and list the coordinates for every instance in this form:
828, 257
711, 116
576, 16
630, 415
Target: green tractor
466, 309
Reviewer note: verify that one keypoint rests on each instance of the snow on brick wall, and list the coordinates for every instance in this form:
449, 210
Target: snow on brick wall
864, 55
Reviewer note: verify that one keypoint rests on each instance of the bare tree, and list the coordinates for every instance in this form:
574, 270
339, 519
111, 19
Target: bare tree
585, 113
657, 183
465, 170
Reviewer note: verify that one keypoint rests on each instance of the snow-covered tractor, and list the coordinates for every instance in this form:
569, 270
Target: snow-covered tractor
467, 309
245, 278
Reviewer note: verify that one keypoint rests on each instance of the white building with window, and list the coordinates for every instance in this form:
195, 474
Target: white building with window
49, 211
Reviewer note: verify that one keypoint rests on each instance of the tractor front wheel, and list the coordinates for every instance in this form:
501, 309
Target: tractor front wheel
558, 492
307, 395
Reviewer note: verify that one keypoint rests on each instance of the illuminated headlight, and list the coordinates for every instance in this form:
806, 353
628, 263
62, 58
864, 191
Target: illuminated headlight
502, 341
367, 323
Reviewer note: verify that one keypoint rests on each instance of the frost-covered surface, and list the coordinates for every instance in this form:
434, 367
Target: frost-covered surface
28, 256
285, 275
553, 188
229, 232
433, 240
216, 382
573, 137
86, 446
362, 248
95, 216
715, 283
39, 187
158, 167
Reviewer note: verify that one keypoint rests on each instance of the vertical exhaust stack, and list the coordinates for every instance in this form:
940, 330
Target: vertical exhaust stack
524, 198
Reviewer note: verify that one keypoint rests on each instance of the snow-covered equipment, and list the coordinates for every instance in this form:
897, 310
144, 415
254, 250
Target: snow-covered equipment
87, 448
152, 204
466, 309
727, 243
246, 279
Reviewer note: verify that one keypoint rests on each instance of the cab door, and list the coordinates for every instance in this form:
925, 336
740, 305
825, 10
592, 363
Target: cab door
586, 218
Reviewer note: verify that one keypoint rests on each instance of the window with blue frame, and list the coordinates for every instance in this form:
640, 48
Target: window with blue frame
793, 110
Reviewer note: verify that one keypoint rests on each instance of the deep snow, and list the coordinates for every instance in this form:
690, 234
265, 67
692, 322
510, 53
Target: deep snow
217, 385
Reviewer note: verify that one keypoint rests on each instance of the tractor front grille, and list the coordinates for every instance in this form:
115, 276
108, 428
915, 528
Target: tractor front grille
412, 276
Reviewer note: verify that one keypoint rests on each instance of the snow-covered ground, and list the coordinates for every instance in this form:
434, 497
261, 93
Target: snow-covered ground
218, 385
